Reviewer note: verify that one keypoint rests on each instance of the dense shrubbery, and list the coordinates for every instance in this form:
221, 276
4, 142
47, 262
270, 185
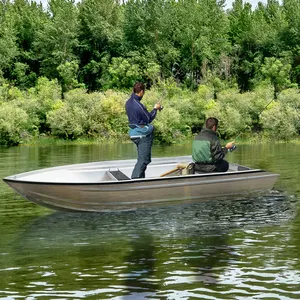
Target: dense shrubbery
41, 111
282, 119
96, 115
13, 123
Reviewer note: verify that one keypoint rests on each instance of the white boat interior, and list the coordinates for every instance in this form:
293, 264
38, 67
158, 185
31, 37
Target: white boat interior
111, 171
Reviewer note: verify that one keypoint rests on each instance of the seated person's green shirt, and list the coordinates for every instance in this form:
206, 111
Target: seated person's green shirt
207, 150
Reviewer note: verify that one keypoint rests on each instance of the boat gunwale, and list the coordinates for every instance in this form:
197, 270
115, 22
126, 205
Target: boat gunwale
139, 180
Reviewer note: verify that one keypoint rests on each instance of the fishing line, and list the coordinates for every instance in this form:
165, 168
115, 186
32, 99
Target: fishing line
258, 116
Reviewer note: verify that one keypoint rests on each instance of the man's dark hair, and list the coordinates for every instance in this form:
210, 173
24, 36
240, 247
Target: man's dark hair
211, 122
138, 86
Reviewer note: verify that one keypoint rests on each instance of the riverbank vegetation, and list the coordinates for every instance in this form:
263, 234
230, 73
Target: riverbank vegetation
41, 112
67, 70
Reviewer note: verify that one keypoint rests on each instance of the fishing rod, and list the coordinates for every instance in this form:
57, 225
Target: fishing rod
161, 100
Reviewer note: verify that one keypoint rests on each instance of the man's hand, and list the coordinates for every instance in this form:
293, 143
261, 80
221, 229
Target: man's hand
229, 145
158, 106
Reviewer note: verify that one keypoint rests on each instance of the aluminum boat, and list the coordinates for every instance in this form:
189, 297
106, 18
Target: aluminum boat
106, 185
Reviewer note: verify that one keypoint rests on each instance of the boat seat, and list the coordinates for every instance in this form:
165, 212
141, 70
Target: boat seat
242, 168
118, 175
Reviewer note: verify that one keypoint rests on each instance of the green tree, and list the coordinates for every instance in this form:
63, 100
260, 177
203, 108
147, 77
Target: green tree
246, 56
291, 36
101, 37
201, 35
292, 14
277, 72
68, 75
29, 18
57, 39
123, 74
149, 35
8, 44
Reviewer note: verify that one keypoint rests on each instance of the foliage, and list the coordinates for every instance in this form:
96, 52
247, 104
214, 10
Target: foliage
104, 44
37, 102
123, 73
290, 99
68, 74
8, 45
22, 77
101, 37
95, 115
239, 112
199, 59
67, 121
57, 38
168, 126
277, 72
101, 116
13, 122
278, 122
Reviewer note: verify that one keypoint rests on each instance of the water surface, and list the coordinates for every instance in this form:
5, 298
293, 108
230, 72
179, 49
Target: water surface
234, 248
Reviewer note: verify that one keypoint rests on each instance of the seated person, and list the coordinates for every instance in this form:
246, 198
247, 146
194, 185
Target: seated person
207, 153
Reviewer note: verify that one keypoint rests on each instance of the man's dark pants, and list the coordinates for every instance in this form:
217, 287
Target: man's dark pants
144, 146
221, 166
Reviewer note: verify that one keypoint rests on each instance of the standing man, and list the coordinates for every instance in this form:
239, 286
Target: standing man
141, 131
207, 153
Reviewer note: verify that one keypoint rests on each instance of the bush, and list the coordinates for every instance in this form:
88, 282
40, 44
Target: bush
114, 118
13, 122
231, 122
238, 112
290, 99
183, 110
102, 115
168, 126
277, 122
95, 114
123, 73
38, 101
232, 110
67, 121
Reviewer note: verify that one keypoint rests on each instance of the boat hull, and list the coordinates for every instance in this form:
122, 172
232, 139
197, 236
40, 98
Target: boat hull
133, 194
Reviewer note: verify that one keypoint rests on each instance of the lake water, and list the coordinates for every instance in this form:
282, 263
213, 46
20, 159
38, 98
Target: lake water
234, 248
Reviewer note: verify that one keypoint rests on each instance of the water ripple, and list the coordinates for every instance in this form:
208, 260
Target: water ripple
239, 248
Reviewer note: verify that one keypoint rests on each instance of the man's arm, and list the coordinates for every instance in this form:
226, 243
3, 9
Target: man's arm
152, 114
217, 152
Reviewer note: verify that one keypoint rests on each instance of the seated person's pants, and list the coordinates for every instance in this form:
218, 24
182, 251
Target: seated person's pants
220, 166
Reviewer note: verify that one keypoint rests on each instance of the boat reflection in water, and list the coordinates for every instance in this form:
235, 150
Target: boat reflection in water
172, 252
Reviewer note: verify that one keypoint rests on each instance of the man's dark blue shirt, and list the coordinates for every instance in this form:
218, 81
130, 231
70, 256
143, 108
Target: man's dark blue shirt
137, 112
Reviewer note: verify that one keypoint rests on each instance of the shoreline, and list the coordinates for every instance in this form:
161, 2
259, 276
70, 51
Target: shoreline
48, 141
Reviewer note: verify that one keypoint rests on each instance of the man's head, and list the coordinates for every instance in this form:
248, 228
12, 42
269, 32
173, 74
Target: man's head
139, 89
212, 123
